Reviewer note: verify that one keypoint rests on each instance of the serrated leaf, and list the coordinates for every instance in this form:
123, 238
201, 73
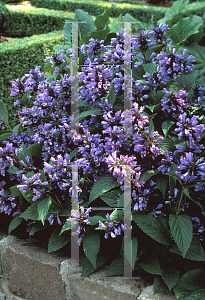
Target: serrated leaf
73, 153
4, 136
156, 228
88, 268
166, 144
151, 265
147, 175
57, 242
159, 285
66, 226
15, 191
162, 183
23, 154
188, 80
31, 212
170, 277
35, 149
182, 231
190, 285
91, 247
138, 73
37, 227
13, 170
95, 220
3, 113
112, 95
43, 207
166, 125
15, 222
116, 267
16, 128
195, 251
105, 183
111, 198
85, 114
150, 68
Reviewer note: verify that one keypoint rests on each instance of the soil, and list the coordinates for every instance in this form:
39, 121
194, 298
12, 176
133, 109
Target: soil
4, 38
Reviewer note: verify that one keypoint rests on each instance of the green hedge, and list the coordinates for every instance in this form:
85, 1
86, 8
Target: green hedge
142, 13
3, 13
18, 57
21, 21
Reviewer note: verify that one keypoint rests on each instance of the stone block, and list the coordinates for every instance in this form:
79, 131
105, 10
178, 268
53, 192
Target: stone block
32, 273
147, 294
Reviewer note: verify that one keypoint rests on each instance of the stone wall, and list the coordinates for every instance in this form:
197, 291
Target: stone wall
30, 273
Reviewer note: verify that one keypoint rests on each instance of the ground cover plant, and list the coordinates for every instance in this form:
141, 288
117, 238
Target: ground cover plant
165, 154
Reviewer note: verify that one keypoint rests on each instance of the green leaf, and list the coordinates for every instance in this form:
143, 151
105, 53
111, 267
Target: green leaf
150, 68
182, 231
151, 127
87, 27
38, 226
57, 242
186, 27
91, 247
43, 207
138, 72
170, 277
16, 128
159, 285
88, 268
102, 20
147, 175
67, 29
173, 13
15, 191
15, 222
162, 183
100, 34
151, 265
85, 114
24, 100
95, 220
66, 226
156, 228
4, 136
35, 149
13, 170
195, 251
73, 153
166, 125
23, 154
105, 183
188, 80
28, 196
112, 95
3, 113
116, 267
31, 212
190, 285
111, 198
166, 144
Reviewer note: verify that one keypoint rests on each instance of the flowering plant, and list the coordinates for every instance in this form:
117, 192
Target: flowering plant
164, 156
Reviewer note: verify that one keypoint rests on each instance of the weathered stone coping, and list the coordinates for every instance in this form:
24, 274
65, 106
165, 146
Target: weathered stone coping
30, 273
